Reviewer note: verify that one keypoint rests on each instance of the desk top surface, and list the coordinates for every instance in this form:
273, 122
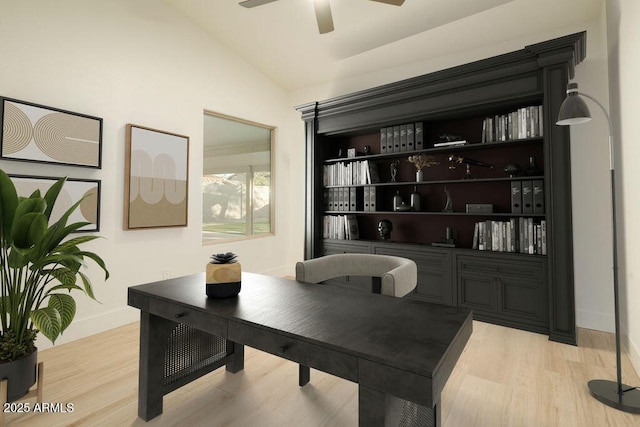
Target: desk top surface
407, 334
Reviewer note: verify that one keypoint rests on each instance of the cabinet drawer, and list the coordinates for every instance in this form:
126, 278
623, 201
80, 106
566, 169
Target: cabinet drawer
529, 269
188, 316
324, 359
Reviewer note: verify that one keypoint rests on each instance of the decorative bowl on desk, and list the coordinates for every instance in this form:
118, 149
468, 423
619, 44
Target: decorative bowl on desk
223, 276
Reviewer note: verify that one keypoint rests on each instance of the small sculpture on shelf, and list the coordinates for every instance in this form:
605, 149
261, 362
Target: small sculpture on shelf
385, 227
512, 170
421, 161
448, 205
223, 275
449, 241
453, 160
394, 169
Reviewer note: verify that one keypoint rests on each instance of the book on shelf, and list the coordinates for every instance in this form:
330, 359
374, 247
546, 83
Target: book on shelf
449, 143
359, 172
517, 235
523, 123
341, 227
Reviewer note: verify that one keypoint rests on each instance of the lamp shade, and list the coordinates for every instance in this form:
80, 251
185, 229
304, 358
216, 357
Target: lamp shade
573, 109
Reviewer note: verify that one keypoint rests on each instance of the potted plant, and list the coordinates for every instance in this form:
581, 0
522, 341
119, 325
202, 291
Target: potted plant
39, 267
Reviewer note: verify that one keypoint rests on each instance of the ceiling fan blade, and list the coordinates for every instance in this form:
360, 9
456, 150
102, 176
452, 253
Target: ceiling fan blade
393, 2
254, 3
323, 16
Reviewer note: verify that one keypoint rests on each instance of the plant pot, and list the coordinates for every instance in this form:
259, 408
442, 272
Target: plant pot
223, 280
20, 375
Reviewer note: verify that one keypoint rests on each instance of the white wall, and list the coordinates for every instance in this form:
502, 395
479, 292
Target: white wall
623, 32
128, 63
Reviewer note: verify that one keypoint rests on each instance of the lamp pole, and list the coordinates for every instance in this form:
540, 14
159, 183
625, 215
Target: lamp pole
618, 395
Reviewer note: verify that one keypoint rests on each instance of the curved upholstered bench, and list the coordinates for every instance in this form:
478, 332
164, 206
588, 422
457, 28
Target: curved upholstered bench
398, 275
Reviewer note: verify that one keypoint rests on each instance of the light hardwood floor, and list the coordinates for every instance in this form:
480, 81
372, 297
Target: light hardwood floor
505, 377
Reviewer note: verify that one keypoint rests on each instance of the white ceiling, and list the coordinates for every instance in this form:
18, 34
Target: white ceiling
281, 38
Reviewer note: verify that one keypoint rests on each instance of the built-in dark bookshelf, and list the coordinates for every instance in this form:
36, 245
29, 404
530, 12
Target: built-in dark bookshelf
503, 108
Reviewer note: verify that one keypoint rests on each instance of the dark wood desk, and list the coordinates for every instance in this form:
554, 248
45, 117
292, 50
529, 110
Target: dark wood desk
399, 351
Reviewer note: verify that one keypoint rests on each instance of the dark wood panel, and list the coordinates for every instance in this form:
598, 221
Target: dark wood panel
456, 101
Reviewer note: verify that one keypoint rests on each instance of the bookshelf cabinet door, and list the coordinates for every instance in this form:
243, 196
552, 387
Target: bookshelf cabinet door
507, 288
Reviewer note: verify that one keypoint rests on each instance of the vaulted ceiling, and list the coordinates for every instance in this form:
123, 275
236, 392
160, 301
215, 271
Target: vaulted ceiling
281, 38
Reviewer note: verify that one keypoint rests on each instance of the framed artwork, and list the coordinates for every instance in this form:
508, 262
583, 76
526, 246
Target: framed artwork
156, 178
73, 190
35, 133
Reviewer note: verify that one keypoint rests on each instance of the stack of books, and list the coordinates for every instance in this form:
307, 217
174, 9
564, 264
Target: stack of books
518, 235
526, 122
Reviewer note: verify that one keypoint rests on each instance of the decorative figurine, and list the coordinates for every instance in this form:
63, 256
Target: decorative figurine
512, 170
448, 206
394, 169
385, 228
453, 159
367, 150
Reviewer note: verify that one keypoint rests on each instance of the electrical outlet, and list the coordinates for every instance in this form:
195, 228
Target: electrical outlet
166, 274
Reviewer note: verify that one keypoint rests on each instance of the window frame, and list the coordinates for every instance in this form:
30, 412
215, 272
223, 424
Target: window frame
248, 169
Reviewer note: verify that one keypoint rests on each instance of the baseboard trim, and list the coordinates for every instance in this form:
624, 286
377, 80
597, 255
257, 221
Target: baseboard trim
84, 327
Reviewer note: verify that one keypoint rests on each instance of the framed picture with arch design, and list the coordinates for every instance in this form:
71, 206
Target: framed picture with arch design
36, 133
156, 178
73, 190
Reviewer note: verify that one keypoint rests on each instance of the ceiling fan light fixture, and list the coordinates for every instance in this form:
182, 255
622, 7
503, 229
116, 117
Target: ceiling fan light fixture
322, 8
323, 16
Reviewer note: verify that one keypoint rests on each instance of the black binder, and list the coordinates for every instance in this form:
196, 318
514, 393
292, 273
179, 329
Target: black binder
527, 197
516, 196
538, 196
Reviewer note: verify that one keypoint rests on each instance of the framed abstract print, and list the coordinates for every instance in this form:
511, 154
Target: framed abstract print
156, 178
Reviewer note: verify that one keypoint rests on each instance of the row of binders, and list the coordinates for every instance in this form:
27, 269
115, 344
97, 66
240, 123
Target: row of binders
526, 122
342, 227
518, 235
351, 173
396, 139
350, 199
527, 196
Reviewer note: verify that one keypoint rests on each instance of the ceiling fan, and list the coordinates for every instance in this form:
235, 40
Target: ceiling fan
323, 11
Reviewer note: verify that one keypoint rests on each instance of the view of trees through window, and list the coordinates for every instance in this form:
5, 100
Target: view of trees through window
236, 181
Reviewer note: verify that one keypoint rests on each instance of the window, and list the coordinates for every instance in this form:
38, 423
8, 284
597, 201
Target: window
237, 181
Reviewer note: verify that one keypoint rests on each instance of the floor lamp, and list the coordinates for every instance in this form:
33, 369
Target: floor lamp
620, 396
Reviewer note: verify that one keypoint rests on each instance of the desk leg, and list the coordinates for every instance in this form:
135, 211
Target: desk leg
153, 337
236, 364
378, 409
